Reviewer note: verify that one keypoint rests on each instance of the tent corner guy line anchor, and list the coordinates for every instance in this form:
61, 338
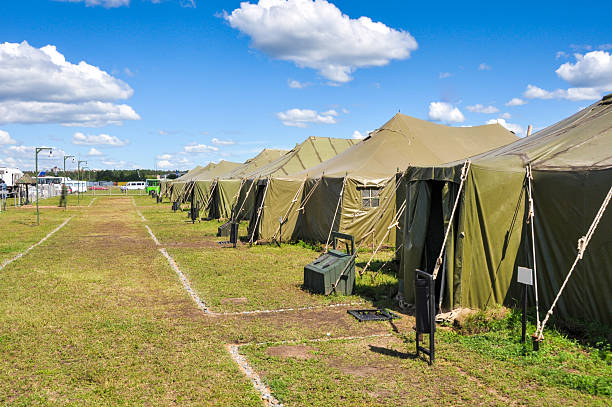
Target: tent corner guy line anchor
26, 251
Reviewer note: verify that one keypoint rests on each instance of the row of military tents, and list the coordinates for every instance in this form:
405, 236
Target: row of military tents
467, 195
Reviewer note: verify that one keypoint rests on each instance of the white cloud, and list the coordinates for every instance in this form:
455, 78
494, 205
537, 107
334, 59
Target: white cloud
561, 54
591, 76
445, 112
94, 152
444, 75
89, 114
38, 85
164, 157
605, 47
199, 148
315, 34
293, 84
534, 92
345, 111
478, 108
303, 117
484, 67
357, 135
164, 164
98, 140
515, 102
506, 116
591, 70
218, 142
515, 128
5, 138
103, 3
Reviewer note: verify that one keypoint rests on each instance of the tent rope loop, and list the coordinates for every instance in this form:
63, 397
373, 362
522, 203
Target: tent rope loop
583, 242
464, 174
531, 222
263, 202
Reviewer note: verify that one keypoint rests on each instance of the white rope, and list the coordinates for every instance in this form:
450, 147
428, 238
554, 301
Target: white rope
335, 213
211, 190
583, 242
237, 195
307, 198
263, 201
531, 221
293, 201
464, 173
393, 224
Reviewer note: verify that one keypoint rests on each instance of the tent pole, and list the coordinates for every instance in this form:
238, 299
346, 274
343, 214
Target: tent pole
336, 213
531, 221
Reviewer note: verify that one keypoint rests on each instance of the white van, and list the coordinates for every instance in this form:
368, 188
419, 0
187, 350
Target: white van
134, 185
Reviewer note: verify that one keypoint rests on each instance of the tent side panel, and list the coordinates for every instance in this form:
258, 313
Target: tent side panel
319, 210
278, 201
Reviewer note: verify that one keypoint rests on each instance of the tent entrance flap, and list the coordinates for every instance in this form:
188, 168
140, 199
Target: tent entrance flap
434, 235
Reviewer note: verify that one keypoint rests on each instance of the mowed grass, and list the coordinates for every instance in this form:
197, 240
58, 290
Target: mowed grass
71, 200
491, 368
96, 317
261, 277
18, 229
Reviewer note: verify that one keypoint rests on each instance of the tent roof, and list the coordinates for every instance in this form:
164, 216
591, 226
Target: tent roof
581, 141
215, 170
406, 141
310, 152
191, 173
251, 165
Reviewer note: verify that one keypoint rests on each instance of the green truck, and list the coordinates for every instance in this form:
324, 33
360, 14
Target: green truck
152, 185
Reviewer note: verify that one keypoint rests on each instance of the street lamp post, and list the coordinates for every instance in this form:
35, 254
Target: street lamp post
79, 187
64, 183
38, 150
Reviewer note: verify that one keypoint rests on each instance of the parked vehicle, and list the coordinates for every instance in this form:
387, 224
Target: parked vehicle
10, 176
152, 185
133, 185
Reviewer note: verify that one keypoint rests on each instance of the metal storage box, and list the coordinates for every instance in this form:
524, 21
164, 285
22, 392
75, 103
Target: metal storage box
334, 268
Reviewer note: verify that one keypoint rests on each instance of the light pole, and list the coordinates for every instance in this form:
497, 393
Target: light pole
38, 150
64, 183
79, 188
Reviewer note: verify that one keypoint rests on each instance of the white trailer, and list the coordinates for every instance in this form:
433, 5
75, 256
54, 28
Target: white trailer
10, 176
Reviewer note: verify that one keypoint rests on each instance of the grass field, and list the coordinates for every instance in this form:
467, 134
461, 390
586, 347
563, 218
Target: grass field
96, 316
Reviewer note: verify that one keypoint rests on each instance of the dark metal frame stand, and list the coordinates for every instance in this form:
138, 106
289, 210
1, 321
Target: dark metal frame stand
424, 287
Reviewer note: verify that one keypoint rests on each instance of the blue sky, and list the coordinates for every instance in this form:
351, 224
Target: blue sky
176, 83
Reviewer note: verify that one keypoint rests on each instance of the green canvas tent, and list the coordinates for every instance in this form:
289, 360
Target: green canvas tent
310, 152
199, 186
356, 191
489, 237
176, 188
226, 190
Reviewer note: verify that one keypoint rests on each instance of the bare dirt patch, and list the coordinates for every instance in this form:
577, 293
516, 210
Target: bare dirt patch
291, 351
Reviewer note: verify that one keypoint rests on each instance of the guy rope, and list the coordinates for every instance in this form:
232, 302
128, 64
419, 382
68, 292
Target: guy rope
464, 174
335, 212
531, 220
211, 191
308, 195
253, 182
263, 201
583, 242
293, 201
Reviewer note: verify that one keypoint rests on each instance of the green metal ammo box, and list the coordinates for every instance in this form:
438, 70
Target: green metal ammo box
332, 271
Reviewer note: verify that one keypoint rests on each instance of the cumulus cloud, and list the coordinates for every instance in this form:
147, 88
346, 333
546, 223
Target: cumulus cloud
445, 112
5, 138
38, 85
98, 140
444, 75
515, 128
506, 116
317, 35
164, 157
293, 84
304, 117
515, 102
478, 108
484, 67
199, 148
590, 75
94, 152
357, 135
218, 142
